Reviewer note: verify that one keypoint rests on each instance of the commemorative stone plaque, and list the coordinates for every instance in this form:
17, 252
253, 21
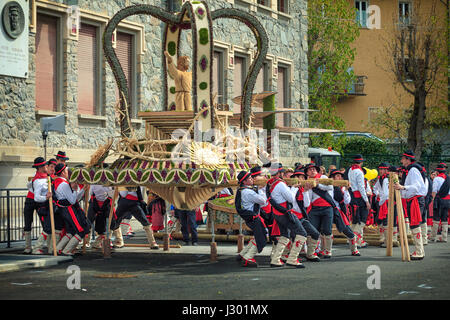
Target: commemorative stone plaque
14, 38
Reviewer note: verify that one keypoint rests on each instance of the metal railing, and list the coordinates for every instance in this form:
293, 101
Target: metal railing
12, 220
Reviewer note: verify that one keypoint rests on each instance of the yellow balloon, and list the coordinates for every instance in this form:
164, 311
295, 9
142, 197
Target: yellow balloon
370, 174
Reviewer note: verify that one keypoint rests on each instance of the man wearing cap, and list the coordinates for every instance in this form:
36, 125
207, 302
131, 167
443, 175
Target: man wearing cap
413, 190
360, 200
61, 157
248, 203
300, 211
341, 198
35, 200
286, 224
441, 198
320, 201
77, 226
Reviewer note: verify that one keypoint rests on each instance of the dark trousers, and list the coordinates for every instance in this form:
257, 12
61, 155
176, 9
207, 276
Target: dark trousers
75, 220
440, 213
259, 232
99, 215
341, 226
309, 228
289, 225
187, 219
322, 219
360, 212
28, 212
125, 207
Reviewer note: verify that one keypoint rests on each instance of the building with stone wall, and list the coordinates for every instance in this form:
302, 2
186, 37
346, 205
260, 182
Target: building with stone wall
68, 75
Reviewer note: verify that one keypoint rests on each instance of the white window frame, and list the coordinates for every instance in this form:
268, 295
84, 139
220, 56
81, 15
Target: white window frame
360, 18
401, 16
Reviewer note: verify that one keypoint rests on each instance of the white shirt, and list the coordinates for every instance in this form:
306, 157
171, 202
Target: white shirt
310, 196
437, 184
356, 178
281, 193
296, 207
384, 191
40, 189
100, 192
249, 198
414, 185
64, 192
377, 188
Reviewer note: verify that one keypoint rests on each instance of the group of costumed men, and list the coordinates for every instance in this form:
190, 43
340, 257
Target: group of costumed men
71, 222
299, 216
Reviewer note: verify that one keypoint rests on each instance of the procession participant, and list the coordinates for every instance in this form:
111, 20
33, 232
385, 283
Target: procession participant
413, 189
341, 198
61, 157
69, 209
441, 199
285, 222
265, 210
98, 212
360, 201
299, 210
30, 204
156, 209
131, 201
248, 203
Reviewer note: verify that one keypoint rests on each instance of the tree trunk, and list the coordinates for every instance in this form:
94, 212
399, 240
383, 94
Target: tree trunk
417, 122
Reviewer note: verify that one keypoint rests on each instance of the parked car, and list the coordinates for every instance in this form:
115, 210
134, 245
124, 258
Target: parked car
351, 134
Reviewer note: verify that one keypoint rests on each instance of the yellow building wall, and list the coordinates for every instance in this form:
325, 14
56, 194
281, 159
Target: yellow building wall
372, 60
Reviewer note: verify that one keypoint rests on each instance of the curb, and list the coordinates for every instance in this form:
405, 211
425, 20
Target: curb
22, 262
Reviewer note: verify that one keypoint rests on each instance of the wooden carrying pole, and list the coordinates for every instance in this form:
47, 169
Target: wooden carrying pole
52, 218
401, 224
106, 241
390, 230
86, 207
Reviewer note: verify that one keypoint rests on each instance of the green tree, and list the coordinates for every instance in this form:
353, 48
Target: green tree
331, 31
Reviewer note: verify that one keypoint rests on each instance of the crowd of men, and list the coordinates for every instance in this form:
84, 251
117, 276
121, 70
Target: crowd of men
299, 218
71, 223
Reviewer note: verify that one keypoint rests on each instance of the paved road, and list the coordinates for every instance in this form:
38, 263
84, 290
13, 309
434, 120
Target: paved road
187, 273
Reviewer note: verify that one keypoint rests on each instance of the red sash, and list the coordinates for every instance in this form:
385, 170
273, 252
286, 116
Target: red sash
416, 216
383, 210
131, 197
275, 228
344, 217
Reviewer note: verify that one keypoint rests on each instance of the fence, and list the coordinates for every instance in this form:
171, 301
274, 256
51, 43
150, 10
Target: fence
12, 220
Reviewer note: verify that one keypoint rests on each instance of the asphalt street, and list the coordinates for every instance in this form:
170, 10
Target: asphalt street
188, 274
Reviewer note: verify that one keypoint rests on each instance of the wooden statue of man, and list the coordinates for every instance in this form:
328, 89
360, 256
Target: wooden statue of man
183, 82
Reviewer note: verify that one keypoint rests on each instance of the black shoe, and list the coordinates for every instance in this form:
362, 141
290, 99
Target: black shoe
299, 266
238, 258
186, 243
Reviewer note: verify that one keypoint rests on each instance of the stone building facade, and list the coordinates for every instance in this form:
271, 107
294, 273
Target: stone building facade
84, 89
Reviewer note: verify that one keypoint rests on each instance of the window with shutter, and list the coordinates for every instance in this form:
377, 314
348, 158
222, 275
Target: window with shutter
238, 83
87, 69
46, 62
218, 76
124, 54
283, 96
